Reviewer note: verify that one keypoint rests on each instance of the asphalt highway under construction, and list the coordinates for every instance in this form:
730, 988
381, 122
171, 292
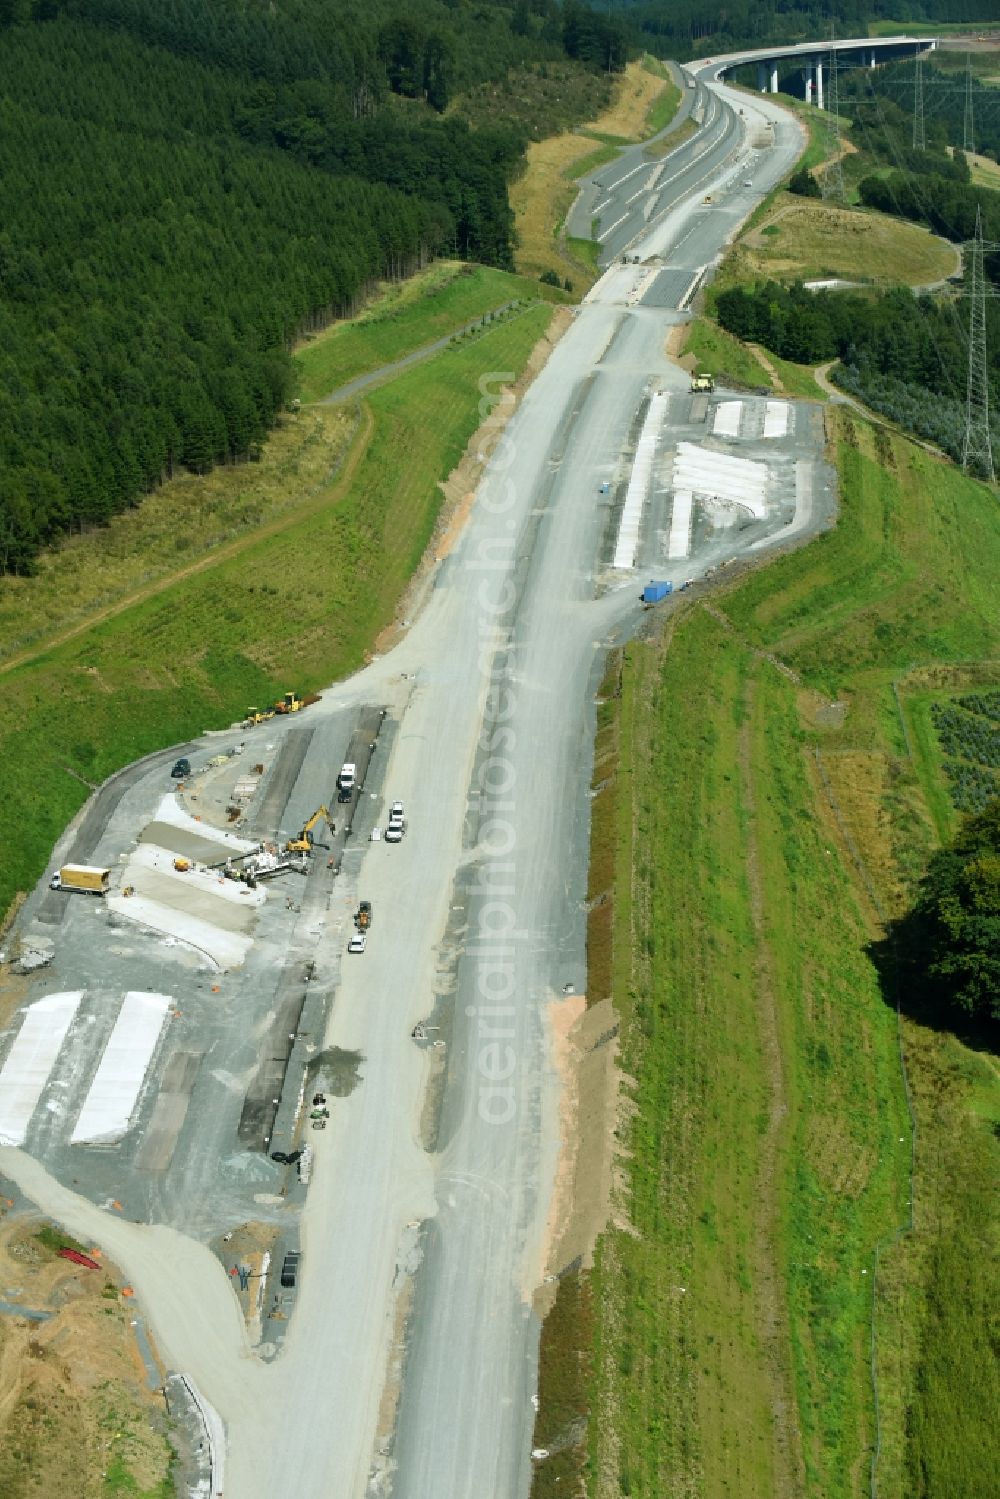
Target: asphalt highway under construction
194, 1020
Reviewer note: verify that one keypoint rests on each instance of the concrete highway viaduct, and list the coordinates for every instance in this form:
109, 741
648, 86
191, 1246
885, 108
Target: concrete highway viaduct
813, 60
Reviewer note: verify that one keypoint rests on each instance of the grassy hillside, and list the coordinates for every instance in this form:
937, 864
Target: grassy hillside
805, 239
767, 813
296, 603
405, 316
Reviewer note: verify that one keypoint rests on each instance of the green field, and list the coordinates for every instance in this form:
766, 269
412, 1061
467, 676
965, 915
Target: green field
404, 317
299, 607
762, 824
806, 239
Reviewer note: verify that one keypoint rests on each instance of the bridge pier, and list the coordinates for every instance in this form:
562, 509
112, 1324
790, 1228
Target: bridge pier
808, 84
774, 78
761, 78
818, 65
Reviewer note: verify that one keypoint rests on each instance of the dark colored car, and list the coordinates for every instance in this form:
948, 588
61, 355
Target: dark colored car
290, 1267
181, 769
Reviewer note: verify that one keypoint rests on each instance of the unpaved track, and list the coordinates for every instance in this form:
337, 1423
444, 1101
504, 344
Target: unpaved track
327, 496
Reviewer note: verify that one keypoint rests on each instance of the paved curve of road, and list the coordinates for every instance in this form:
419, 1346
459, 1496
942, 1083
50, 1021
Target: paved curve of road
481, 903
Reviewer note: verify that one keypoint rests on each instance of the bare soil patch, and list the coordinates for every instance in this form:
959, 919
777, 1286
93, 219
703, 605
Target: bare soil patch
74, 1403
585, 1048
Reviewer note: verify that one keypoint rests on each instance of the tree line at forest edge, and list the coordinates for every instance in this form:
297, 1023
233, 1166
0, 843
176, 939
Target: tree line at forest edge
188, 185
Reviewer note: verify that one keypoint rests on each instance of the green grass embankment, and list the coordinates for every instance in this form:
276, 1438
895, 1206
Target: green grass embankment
763, 822
666, 105
298, 607
729, 360
761, 1170
404, 318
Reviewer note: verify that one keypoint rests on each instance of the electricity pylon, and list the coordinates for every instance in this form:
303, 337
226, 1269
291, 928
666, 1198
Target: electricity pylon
919, 129
977, 449
833, 177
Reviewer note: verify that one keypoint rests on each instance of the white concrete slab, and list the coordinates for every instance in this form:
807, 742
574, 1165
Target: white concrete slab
679, 540
31, 1060
638, 484
107, 1109
737, 481
727, 419
776, 414
223, 949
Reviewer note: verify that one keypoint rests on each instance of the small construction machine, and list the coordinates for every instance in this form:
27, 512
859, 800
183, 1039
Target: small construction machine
304, 842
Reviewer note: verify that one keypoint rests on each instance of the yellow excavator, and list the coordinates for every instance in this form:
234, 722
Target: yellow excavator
304, 842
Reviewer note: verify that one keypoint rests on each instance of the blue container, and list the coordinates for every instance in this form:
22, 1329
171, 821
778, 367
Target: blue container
654, 592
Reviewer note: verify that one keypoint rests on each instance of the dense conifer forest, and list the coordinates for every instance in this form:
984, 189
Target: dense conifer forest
187, 185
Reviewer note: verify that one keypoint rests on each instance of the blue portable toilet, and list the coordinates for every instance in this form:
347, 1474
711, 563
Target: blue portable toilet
654, 592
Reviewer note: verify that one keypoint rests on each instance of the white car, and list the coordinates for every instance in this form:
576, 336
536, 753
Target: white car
357, 943
394, 832
396, 812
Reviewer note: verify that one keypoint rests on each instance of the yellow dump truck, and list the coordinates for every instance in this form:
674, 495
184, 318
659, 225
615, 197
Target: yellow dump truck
84, 877
702, 381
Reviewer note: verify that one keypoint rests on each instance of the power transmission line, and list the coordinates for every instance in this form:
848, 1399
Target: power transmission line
968, 126
919, 131
914, 183
977, 449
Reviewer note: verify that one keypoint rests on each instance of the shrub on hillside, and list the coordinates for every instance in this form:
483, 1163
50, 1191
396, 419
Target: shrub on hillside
947, 946
804, 184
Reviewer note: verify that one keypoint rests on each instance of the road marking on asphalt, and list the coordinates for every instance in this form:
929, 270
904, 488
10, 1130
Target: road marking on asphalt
608, 232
